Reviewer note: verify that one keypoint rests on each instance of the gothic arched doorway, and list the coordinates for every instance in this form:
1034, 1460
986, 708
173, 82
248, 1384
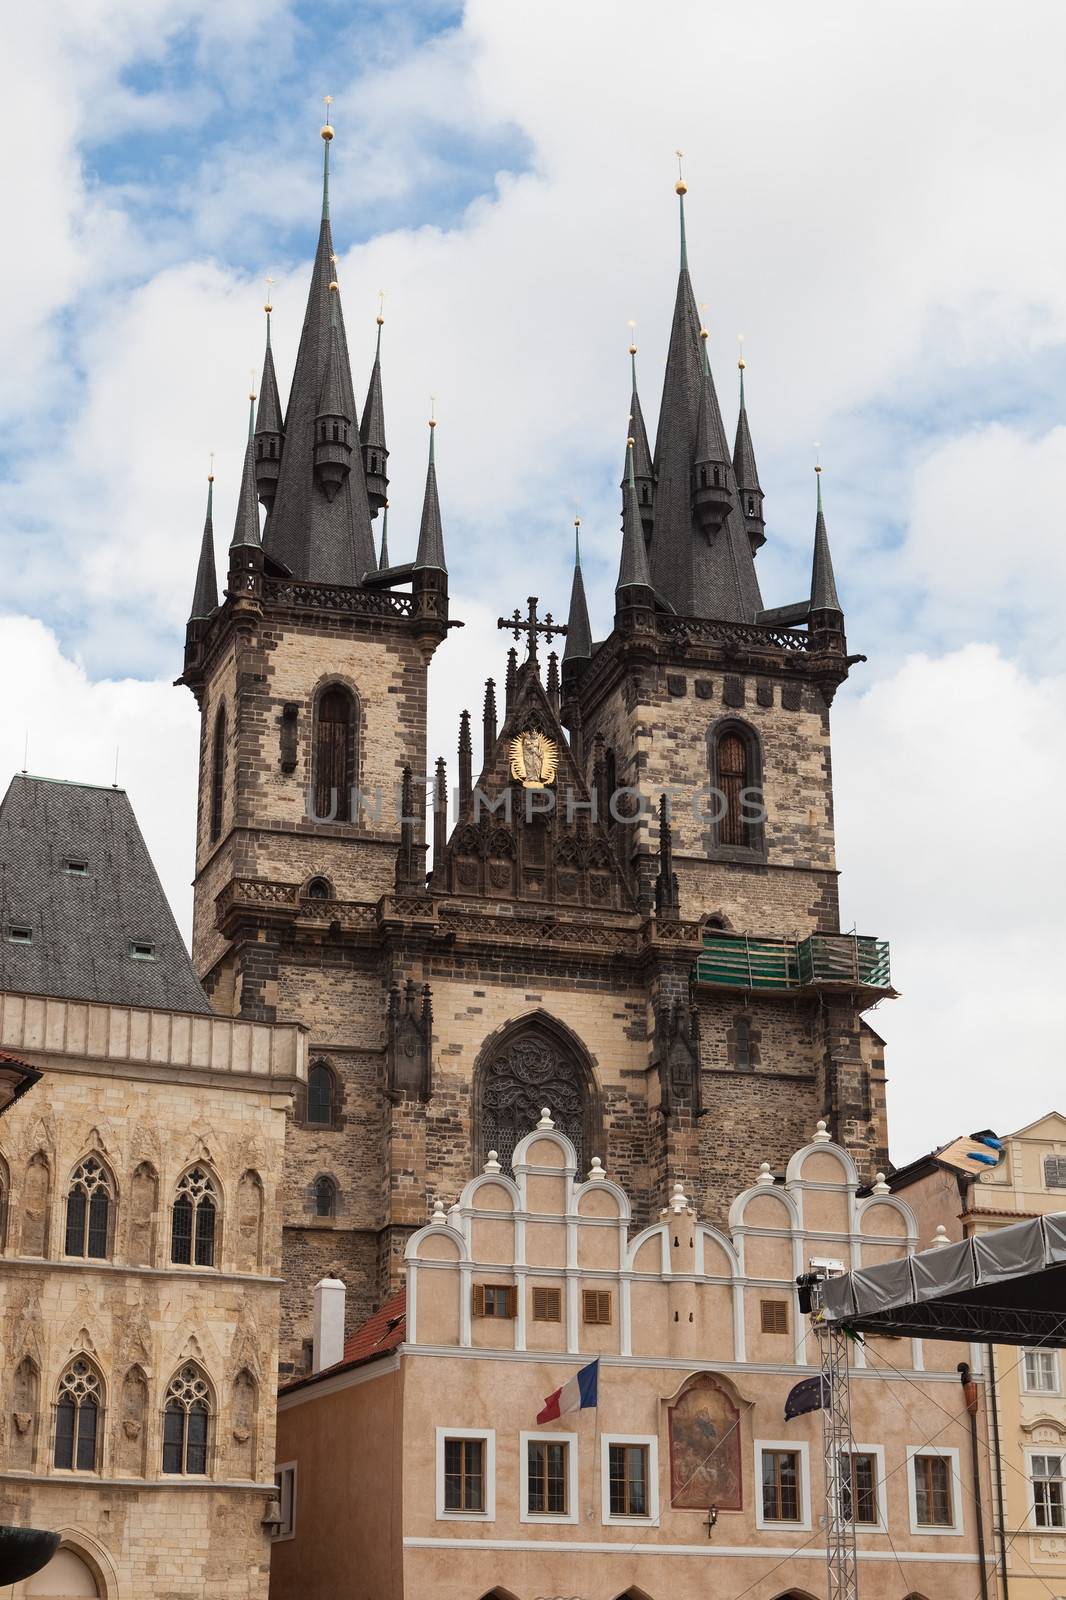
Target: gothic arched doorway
529, 1064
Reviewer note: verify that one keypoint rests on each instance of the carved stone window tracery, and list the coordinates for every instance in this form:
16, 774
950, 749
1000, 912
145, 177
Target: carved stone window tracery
518, 1079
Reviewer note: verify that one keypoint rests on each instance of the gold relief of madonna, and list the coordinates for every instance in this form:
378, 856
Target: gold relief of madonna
534, 760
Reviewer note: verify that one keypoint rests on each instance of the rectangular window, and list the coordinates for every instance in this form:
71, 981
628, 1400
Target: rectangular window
77, 868
933, 1505
494, 1300
464, 1475
547, 1305
774, 1316
196, 1437
596, 1305
285, 1478
1055, 1172
860, 1490
173, 1440
19, 933
546, 1479
628, 1480
205, 1235
86, 1453
1049, 1510
142, 950
1040, 1374
780, 1486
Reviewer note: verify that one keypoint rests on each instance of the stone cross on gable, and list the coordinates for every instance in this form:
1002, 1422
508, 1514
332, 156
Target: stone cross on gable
531, 626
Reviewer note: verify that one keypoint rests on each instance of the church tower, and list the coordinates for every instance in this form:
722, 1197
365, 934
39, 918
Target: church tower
631, 917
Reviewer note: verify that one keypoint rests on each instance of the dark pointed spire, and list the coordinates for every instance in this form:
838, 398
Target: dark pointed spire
466, 761
824, 595
511, 680
312, 532
269, 426
643, 468
747, 473
488, 719
712, 499
667, 898
430, 534
383, 560
578, 630
552, 685
440, 814
246, 525
333, 424
372, 432
633, 568
205, 594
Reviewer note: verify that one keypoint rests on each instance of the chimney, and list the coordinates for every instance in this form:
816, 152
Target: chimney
327, 1328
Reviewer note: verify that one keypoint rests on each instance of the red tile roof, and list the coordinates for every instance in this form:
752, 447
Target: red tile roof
375, 1337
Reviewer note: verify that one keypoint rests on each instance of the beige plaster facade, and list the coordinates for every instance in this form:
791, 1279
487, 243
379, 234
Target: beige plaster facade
147, 1096
699, 1339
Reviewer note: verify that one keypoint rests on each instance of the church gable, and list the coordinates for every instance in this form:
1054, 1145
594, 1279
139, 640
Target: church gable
526, 830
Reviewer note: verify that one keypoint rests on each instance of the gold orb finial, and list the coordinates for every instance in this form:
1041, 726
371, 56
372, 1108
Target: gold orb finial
327, 126
817, 457
333, 286
381, 307
577, 522
632, 337
211, 468
267, 307
630, 442
680, 187
251, 384
741, 363
704, 333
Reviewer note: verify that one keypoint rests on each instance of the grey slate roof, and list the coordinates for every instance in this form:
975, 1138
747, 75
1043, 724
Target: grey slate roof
372, 427
578, 629
633, 567
205, 594
824, 595
430, 534
268, 417
82, 926
747, 472
642, 462
246, 522
326, 540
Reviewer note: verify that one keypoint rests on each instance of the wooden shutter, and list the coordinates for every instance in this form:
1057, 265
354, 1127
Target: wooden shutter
596, 1305
774, 1316
732, 779
477, 1299
547, 1305
512, 1301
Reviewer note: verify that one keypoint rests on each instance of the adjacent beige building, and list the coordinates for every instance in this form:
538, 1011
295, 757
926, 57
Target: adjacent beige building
139, 1243
415, 1464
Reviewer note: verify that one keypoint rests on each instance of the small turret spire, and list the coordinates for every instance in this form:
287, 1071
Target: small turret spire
633, 569
430, 534
824, 595
372, 429
643, 469
466, 761
246, 525
205, 594
488, 724
384, 561
747, 473
270, 429
578, 630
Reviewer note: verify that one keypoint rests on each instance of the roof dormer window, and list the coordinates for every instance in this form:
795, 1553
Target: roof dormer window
19, 933
76, 866
142, 950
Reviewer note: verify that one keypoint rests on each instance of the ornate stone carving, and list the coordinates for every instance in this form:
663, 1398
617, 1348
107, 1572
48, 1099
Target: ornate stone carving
676, 1054
409, 1042
527, 1073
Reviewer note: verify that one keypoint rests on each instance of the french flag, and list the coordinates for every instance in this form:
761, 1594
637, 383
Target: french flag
579, 1392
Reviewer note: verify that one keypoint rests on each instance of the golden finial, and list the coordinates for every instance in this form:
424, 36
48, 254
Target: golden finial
630, 442
433, 411
741, 363
381, 307
333, 286
251, 384
268, 308
704, 334
211, 468
327, 126
680, 187
817, 457
577, 522
632, 337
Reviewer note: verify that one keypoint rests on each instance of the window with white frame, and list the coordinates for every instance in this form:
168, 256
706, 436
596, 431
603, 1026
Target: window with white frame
783, 1492
1040, 1372
285, 1478
1049, 1508
548, 1477
933, 1485
863, 1487
630, 1478
466, 1473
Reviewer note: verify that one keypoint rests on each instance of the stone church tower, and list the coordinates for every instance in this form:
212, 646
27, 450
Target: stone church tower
632, 919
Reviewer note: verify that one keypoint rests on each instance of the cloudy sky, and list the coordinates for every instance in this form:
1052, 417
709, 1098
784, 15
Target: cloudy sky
875, 201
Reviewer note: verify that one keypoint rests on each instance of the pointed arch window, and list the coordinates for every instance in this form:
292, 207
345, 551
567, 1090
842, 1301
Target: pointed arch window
187, 1423
218, 773
321, 1095
335, 754
736, 787
532, 1067
78, 1408
194, 1220
325, 1197
89, 1206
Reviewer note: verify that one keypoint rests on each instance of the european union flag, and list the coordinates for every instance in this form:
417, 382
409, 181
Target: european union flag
810, 1395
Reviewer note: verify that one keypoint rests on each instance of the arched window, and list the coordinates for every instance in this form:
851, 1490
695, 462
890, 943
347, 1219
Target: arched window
89, 1211
78, 1408
194, 1218
321, 1094
325, 1197
334, 757
530, 1066
218, 773
736, 783
319, 889
187, 1422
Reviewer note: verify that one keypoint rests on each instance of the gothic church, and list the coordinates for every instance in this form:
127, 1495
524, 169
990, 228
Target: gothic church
632, 920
